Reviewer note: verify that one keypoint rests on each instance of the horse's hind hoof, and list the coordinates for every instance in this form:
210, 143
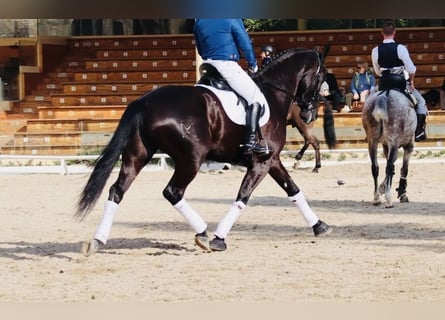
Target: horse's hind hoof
404, 199
218, 244
202, 240
321, 228
90, 247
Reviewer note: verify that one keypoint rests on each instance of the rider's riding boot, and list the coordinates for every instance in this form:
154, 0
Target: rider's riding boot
420, 134
250, 143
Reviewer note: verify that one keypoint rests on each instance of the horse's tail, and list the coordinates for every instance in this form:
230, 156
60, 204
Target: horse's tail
325, 52
380, 111
329, 128
104, 164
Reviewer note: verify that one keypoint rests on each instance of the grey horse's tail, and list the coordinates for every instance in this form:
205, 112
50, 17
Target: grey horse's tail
380, 111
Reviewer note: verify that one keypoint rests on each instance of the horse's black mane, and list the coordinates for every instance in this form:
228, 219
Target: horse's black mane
284, 55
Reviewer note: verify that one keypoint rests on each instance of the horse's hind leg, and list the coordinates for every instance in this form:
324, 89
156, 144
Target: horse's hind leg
133, 160
296, 196
389, 174
316, 145
300, 153
403, 182
185, 172
372, 149
309, 139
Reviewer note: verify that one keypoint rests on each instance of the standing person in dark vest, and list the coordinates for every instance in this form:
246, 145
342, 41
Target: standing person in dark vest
390, 59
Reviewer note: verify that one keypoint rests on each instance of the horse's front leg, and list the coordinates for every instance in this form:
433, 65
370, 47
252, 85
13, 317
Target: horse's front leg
296, 196
403, 182
251, 180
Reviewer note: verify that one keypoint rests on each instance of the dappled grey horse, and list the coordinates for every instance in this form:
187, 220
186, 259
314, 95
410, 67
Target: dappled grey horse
389, 117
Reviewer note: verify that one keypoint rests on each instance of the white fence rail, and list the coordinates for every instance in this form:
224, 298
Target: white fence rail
60, 164
19, 164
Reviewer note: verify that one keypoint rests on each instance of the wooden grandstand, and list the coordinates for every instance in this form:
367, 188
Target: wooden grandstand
71, 101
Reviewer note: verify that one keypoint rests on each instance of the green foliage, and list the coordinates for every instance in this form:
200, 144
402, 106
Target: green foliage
257, 25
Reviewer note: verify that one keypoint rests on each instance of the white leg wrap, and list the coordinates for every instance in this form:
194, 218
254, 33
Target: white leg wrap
229, 220
301, 203
104, 228
192, 217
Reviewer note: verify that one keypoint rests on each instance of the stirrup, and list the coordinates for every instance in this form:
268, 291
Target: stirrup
256, 148
261, 150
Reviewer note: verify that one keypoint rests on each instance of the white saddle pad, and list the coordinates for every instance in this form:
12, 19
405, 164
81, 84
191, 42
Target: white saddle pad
233, 107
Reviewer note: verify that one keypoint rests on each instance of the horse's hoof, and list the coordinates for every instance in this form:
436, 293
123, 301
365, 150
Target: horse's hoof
90, 247
315, 170
389, 206
321, 228
218, 244
202, 240
376, 201
404, 199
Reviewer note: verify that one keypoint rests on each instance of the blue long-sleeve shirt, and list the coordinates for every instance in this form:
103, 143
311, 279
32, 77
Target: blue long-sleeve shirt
362, 81
223, 39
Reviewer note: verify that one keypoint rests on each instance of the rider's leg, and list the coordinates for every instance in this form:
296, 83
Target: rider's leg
421, 112
252, 128
243, 84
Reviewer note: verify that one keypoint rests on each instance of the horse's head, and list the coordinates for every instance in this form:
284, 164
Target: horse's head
310, 77
309, 87
298, 74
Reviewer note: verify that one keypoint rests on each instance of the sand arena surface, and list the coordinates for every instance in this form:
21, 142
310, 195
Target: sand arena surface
373, 254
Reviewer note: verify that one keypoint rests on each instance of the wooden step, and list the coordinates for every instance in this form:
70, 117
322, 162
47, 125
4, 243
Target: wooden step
146, 54
71, 125
82, 112
107, 88
141, 41
310, 38
92, 99
48, 150
10, 126
146, 76
57, 139
140, 65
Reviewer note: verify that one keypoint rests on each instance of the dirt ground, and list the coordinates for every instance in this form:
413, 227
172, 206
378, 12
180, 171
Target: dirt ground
373, 254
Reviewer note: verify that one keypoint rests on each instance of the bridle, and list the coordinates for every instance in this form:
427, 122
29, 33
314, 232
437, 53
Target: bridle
310, 106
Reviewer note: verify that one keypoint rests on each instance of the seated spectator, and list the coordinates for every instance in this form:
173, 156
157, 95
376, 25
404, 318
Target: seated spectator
335, 95
362, 84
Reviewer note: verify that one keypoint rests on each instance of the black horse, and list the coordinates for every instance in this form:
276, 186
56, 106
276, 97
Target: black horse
190, 125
